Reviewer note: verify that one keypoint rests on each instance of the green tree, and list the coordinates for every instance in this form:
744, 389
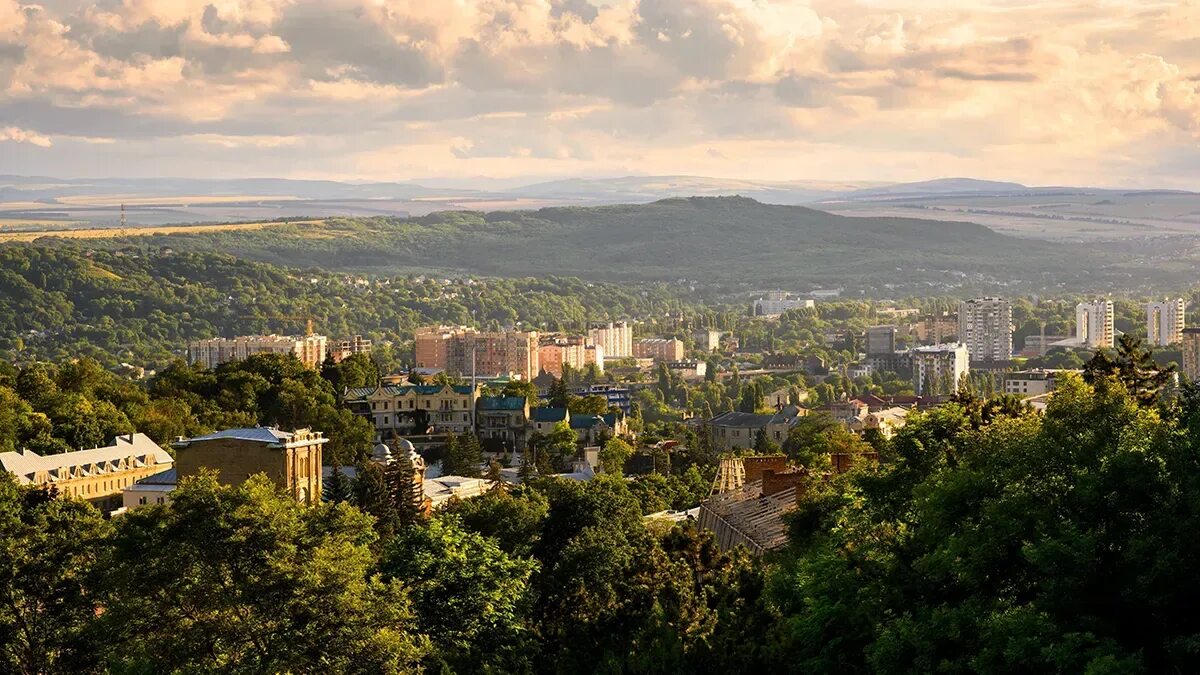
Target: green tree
404, 491
614, 455
464, 456
50, 552
245, 579
1133, 365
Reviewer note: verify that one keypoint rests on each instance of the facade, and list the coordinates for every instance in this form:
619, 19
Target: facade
554, 352
471, 352
617, 396
1094, 324
894, 362
1032, 382
778, 302
400, 410
97, 475
1164, 322
357, 344
659, 349
881, 340
733, 430
310, 349
151, 490
941, 367
707, 340
1191, 353
1038, 345
688, 370
292, 459
615, 338
985, 327
935, 328
502, 419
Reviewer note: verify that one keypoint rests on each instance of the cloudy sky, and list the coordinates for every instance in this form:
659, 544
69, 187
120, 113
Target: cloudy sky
1102, 92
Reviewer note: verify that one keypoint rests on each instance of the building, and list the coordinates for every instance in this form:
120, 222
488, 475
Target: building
935, 329
1164, 322
97, 475
1094, 324
543, 420
733, 430
342, 349
310, 349
887, 421
778, 302
894, 362
659, 349
503, 420
615, 338
1038, 345
596, 429
555, 352
469, 352
1033, 382
400, 410
881, 340
938, 369
707, 340
688, 370
439, 491
155, 489
616, 395
292, 459
896, 313
1191, 353
985, 327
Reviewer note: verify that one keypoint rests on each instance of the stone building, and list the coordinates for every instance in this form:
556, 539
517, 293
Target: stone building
292, 459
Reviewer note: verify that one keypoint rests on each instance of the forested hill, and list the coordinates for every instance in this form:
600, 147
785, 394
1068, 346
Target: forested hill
61, 302
728, 241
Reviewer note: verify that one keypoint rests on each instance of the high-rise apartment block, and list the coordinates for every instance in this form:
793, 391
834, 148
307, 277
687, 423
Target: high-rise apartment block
1094, 323
468, 351
1164, 322
881, 340
575, 351
615, 338
1191, 353
342, 349
310, 349
985, 327
659, 349
938, 369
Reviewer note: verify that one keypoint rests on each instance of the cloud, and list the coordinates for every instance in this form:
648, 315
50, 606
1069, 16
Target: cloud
22, 136
680, 86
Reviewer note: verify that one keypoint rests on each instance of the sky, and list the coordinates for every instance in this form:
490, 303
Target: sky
1062, 92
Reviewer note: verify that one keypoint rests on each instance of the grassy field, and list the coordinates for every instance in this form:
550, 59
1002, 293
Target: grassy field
114, 232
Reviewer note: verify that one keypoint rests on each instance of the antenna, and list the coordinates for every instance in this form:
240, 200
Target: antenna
122, 216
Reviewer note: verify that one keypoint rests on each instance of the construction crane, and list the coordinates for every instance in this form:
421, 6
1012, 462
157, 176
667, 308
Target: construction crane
307, 320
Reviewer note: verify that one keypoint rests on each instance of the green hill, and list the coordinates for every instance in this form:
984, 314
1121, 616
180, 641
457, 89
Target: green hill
722, 241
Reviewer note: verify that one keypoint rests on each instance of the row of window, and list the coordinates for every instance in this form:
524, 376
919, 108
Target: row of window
442, 405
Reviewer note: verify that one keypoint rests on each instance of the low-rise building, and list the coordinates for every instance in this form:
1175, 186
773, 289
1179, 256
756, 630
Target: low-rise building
97, 475
688, 370
778, 302
1033, 382
292, 459
399, 410
733, 430
503, 419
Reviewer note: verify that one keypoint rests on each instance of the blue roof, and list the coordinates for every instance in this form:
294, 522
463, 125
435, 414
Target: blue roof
256, 434
502, 403
548, 414
585, 421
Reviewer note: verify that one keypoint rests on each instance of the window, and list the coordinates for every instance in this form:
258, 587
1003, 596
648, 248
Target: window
385, 420
160, 500
141, 500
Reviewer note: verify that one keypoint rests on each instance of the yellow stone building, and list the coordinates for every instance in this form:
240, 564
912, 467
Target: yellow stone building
290, 458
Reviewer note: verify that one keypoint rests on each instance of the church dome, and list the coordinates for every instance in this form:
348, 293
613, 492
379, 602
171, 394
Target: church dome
382, 453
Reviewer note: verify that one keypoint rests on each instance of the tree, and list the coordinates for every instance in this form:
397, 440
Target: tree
356, 370
464, 456
763, 445
338, 488
1133, 365
614, 455
404, 490
246, 579
589, 405
466, 591
520, 388
560, 396
50, 551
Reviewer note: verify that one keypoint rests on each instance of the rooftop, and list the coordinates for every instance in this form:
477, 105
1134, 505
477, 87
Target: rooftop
27, 463
548, 414
501, 403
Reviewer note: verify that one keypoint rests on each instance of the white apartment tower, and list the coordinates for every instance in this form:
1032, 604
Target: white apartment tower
615, 338
985, 327
1094, 323
1164, 322
940, 366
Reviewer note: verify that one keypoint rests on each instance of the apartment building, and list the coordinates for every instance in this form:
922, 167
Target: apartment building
97, 475
310, 349
708, 340
342, 349
1033, 382
468, 351
1191, 353
881, 340
615, 338
941, 367
778, 302
659, 349
1094, 324
554, 352
292, 459
400, 410
1165, 322
985, 327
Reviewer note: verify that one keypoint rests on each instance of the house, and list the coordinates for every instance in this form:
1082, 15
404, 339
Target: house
595, 429
732, 430
543, 420
399, 410
886, 421
97, 475
154, 489
292, 459
502, 419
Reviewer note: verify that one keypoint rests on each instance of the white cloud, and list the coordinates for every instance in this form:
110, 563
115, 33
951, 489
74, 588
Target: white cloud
22, 136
